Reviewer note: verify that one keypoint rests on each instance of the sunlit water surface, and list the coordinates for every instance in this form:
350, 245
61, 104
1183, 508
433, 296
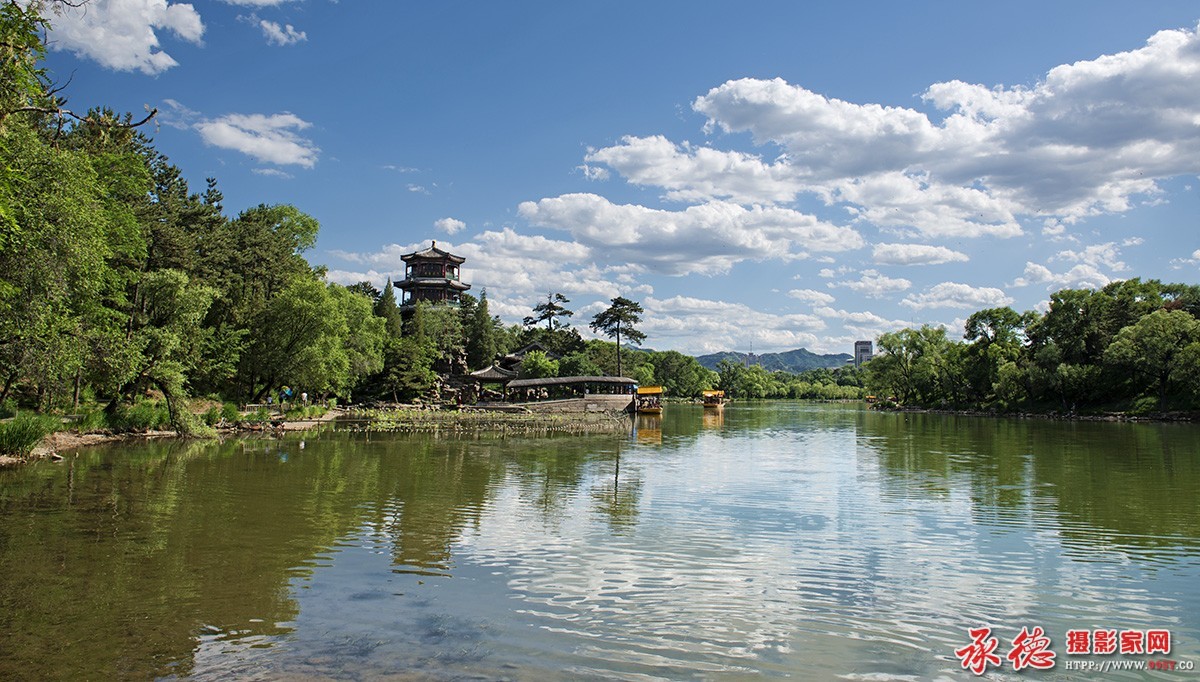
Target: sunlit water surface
773, 540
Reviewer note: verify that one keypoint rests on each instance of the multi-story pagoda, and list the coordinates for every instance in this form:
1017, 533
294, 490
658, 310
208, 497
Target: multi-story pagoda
431, 275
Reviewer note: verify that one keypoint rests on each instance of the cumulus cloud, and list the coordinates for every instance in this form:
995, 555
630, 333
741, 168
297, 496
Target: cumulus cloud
124, 34
874, 284
1106, 255
861, 325
957, 295
269, 138
708, 238
702, 326
811, 296
1090, 137
915, 254
450, 225
698, 173
277, 34
1082, 276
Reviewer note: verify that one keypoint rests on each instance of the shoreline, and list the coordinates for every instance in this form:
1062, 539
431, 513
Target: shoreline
58, 442
1115, 417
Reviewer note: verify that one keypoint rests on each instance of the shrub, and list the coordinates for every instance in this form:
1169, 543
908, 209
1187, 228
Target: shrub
230, 413
8, 408
259, 416
94, 420
212, 416
144, 415
21, 435
1144, 406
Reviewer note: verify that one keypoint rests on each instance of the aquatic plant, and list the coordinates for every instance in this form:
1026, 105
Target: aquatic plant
21, 435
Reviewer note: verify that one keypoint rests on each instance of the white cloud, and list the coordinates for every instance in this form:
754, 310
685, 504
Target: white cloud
811, 296
861, 325
450, 225
908, 203
1082, 276
875, 285
957, 295
267, 138
705, 239
1106, 255
915, 254
1091, 137
277, 34
698, 173
124, 34
272, 172
593, 172
702, 326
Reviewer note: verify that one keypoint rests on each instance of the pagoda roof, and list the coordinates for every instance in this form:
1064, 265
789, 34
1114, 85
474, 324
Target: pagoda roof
493, 373
433, 253
438, 282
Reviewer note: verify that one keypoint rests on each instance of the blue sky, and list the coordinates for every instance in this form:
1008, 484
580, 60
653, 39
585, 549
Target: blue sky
765, 175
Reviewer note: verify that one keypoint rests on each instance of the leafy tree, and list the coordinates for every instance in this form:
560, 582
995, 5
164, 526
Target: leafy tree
385, 305
371, 291
578, 364
679, 375
479, 327
550, 312
620, 317
1151, 349
536, 365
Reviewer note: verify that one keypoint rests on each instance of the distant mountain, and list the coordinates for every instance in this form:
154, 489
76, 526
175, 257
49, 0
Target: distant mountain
799, 360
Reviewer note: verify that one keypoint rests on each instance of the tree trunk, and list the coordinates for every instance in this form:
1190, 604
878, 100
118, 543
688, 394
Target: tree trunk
619, 348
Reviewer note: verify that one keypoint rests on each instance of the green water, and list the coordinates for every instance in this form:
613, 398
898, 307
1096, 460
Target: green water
776, 540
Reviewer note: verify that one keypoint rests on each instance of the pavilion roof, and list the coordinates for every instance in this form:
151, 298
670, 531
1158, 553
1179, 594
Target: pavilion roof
563, 381
493, 373
438, 282
433, 253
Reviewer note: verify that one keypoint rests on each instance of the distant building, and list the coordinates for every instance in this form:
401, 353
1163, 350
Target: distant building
431, 275
862, 352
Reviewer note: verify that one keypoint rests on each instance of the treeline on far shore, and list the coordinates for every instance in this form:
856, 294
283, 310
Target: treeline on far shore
1132, 346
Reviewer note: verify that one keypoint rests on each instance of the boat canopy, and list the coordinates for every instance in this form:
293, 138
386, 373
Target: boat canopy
650, 390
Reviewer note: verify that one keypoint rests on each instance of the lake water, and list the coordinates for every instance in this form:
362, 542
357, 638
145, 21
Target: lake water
774, 540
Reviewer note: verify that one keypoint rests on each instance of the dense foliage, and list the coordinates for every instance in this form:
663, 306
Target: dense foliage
117, 280
1133, 345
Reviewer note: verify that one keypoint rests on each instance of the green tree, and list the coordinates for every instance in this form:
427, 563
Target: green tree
385, 306
550, 312
479, 328
1150, 350
680, 375
618, 318
536, 365
578, 364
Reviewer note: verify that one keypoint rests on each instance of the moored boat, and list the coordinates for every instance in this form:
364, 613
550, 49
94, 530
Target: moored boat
649, 399
713, 400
